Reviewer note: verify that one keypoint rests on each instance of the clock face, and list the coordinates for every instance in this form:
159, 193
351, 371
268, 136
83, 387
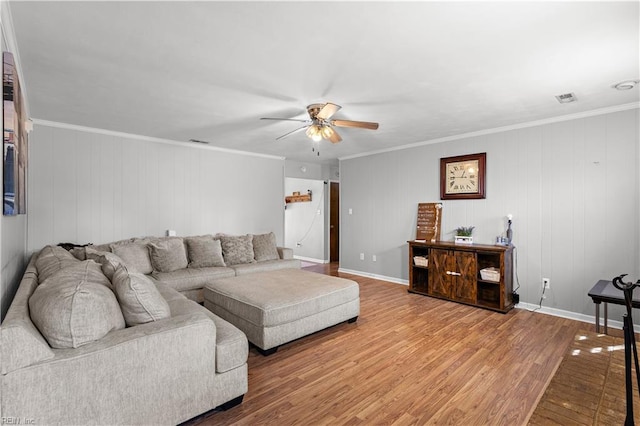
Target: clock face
462, 177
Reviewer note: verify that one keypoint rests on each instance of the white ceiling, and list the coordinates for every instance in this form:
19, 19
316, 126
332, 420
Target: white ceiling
423, 70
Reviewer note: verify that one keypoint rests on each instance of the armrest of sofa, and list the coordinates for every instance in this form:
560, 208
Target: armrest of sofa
285, 253
162, 372
21, 344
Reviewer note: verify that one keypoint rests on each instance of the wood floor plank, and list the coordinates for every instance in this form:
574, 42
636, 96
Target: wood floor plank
409, 360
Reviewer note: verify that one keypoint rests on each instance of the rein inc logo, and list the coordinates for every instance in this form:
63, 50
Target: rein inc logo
17, 421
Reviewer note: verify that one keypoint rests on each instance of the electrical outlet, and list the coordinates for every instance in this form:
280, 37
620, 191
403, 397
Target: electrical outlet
546, 283
373, 258
361, 256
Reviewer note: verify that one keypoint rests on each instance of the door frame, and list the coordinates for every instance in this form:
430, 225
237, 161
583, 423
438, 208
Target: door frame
334, 243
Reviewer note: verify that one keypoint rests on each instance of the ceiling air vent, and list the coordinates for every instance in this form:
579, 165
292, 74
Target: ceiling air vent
566, 98
199, 141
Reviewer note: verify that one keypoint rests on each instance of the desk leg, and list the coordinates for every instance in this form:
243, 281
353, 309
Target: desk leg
597, 317
606, 315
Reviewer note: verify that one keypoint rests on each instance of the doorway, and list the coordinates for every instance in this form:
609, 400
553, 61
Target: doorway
334, 222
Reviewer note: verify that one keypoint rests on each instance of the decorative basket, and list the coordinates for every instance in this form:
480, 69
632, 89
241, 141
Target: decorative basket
490, 274
420, 261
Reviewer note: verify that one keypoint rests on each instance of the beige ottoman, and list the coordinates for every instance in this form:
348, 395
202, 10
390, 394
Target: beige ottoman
276, 307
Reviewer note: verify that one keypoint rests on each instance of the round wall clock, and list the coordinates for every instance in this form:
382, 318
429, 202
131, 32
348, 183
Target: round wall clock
463, 177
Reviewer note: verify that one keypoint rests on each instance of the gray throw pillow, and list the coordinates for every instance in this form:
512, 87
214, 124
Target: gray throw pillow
168, 255
264, 247
237, 249
75, 306
108, 261
140, 300
204, 252
51, 259
135, 256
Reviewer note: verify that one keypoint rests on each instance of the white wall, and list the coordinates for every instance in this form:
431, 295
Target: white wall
91, 186
305, 222
13, 229
572, 187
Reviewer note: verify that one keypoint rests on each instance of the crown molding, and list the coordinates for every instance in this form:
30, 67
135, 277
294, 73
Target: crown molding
142, 138
568, 117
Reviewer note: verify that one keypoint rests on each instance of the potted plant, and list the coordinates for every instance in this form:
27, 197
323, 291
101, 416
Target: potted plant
463, 234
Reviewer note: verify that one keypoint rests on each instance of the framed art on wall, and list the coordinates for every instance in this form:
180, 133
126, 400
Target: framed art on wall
14, 141
463, 177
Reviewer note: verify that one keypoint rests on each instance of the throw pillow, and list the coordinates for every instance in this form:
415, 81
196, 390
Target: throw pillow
140, 300
237, 249
135, 256
51, 259
204, 252
264, 247
75, 306
108, 261
168, 255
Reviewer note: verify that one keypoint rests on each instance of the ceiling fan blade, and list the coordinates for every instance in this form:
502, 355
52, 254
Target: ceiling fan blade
334, 137
286, 119
358, 124
328, 110
291, 132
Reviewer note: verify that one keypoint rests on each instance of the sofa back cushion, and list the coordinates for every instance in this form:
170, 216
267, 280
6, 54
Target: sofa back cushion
108, 261
168, 254
237, 249
140, 300
265, 248
51, 259
134, 254
75, 306
204, 252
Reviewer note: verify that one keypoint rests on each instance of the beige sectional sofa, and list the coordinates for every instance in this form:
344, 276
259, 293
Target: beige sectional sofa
199, 259
98, 338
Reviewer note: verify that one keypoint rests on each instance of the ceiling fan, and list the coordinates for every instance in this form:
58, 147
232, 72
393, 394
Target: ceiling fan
320, 125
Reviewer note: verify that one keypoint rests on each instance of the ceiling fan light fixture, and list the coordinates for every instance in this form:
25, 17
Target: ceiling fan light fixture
327, 132
315, 133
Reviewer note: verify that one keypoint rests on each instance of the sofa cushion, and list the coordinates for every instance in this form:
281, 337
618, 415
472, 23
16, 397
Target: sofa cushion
108, 261
192, 278
51, 259
204, 252
266, 265
75, 306
237, 249
134, 254
264, 247
168, 255
232, 348
140, 300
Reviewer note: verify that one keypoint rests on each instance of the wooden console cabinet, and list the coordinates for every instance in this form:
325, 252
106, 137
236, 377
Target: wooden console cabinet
453, 272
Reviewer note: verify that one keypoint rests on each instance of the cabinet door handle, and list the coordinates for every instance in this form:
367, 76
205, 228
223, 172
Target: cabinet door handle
457, 274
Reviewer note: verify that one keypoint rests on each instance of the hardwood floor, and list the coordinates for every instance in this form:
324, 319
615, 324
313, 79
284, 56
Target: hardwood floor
589, 386
409, 359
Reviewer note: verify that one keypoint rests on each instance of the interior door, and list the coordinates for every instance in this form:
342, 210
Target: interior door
334, 222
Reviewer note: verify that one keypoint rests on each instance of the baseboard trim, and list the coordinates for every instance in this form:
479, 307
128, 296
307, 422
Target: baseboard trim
527, 306
310, 259
574, 316
376, 276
